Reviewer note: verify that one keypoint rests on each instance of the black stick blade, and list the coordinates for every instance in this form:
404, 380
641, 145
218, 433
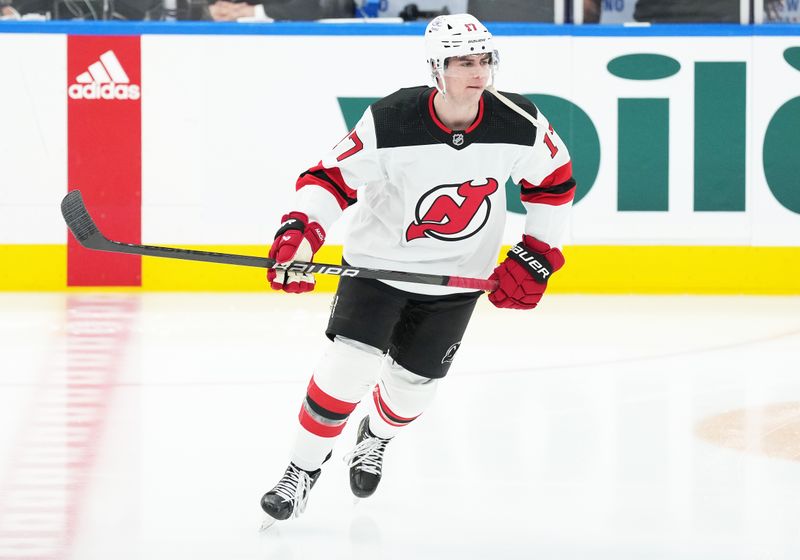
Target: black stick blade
77, 217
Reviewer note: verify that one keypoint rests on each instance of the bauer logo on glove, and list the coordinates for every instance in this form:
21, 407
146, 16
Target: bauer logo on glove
541, 269
522, 276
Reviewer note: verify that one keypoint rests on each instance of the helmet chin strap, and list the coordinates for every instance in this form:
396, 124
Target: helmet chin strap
438, 78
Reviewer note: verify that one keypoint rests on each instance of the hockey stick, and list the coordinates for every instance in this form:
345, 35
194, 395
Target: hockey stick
87, 234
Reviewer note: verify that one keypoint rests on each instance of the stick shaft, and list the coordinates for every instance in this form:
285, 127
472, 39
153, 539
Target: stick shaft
86, 232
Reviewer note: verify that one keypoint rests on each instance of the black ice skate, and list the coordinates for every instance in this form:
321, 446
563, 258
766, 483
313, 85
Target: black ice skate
366, 461
289, 497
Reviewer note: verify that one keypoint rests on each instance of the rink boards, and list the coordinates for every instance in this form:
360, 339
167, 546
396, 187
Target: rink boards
684, 141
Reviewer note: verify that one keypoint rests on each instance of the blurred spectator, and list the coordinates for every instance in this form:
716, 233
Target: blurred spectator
225, 10
591, 11
412, 10
512, 10
7, 11
780, 11
484, 10
222, 10
674, 11
17, 8
686, 11
136, 9
84, 9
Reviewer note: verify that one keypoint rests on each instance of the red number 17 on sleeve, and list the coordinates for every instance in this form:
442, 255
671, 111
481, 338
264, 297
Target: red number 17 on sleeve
358, 145
549, 143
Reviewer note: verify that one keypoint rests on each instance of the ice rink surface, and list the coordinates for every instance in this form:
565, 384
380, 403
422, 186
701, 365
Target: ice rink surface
147, 426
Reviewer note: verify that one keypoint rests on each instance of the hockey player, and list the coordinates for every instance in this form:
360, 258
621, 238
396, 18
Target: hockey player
428, 167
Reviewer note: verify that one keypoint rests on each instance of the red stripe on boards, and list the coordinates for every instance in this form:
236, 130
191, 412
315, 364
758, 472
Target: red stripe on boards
104, 135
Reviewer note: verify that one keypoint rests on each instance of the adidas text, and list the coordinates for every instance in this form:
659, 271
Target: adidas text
104, 91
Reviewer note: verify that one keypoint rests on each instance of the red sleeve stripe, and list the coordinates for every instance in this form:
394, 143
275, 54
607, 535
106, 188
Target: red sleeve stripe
554, 196
305, 181
328, 402
332, 181
386, 413
555, 189
557, 177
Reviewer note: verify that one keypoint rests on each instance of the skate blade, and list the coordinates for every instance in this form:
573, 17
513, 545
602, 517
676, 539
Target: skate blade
356, 500
267, 523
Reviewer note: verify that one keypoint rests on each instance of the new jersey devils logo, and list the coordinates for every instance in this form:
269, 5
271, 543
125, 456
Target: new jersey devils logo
452, 212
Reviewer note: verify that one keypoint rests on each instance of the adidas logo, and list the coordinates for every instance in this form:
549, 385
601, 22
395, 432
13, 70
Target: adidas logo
104, 79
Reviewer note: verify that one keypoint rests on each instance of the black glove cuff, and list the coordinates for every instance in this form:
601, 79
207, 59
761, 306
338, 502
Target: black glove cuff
535, 264
290, 224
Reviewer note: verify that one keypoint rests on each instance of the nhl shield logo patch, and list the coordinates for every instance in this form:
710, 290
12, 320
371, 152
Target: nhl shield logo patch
458, 139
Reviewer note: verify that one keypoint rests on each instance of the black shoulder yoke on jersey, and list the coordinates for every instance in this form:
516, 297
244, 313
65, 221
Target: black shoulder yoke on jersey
398, 121
407, 118
509, 126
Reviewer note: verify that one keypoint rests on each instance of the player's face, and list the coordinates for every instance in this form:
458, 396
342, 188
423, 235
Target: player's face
467, 76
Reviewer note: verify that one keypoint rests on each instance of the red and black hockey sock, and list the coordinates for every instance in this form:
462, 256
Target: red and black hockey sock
398, 399
386, 414
322, 414
346, 372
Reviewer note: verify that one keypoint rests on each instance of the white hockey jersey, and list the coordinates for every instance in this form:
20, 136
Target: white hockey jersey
432, 200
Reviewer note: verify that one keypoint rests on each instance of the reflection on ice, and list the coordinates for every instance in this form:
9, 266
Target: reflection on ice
149, 425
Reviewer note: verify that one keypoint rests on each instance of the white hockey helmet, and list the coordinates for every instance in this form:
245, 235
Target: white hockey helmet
456, 35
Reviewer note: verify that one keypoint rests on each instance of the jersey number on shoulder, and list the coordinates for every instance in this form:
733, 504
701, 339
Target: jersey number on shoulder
358, 145
550, 145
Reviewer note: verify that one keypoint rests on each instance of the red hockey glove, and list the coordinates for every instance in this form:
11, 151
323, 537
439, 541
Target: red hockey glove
523, 275
296, 240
